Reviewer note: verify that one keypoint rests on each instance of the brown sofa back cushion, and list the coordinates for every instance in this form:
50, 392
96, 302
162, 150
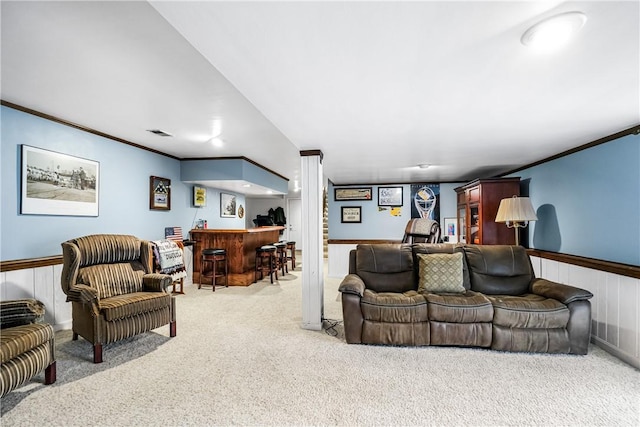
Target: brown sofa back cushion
386, 268
499, 269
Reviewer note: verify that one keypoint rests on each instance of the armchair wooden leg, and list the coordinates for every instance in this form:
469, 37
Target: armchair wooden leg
75, 336
172, 329
50, 374
97, 353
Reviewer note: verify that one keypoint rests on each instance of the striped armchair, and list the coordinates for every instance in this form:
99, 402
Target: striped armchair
109, 280
26, 344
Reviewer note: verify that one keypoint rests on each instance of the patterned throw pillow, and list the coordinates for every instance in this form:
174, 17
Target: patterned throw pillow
440, 273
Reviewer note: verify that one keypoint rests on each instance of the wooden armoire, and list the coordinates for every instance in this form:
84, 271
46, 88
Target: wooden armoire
478, 203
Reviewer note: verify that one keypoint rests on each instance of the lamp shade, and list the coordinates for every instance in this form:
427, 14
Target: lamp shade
516, 209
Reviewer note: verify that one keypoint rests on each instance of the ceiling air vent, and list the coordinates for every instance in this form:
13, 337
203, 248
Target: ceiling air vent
159, 132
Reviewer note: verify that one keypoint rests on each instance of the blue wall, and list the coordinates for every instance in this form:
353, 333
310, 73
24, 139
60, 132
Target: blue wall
124, 190
377, 224
588, 203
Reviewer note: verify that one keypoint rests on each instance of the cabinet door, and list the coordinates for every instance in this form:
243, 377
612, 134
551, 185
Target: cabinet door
462, 224
474, 225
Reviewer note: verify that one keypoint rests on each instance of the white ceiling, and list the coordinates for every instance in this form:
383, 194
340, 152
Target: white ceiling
378, 87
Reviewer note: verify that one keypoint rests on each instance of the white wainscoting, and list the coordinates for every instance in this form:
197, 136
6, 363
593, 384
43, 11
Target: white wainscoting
338, 259
615, 314
43, 283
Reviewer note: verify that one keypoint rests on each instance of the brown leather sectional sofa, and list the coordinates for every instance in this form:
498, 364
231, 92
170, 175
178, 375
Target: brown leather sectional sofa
500, 304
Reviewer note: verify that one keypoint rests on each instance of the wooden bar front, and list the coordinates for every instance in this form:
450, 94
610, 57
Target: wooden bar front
241, 250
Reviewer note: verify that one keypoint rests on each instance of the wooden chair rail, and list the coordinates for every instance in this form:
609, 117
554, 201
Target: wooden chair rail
596, 264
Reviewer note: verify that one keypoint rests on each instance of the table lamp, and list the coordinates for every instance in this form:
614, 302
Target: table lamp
516, 212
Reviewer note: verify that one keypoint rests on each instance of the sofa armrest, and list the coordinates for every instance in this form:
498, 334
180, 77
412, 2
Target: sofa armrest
20, 312
352, 284
156, 282
564, 293
83, 294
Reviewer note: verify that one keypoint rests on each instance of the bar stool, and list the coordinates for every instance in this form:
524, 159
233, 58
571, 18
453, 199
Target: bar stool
214, 256
281, 257
266, 253
291, 247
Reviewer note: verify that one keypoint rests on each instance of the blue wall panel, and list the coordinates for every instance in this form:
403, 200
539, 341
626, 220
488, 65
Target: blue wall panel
124, 190
588, 203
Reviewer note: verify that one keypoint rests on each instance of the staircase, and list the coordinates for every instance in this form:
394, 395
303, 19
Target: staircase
325, 225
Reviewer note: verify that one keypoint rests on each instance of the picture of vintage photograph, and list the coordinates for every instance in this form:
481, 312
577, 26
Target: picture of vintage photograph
58, 184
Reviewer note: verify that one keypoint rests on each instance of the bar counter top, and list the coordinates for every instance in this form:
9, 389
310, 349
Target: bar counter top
238, 230
240, 245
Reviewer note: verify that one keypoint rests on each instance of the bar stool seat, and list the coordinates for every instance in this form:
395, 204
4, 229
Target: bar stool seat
281, 257
214, 256
291, 255
266, 253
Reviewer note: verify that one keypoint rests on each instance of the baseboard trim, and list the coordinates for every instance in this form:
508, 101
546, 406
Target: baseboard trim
615, 351
62, 326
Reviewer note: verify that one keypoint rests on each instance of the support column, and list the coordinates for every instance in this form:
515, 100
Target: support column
312, 257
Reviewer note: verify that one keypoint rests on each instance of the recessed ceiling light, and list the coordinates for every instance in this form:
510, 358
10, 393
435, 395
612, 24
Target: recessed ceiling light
246, 185
553, 32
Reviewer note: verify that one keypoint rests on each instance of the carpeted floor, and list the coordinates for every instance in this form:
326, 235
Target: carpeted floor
241, 358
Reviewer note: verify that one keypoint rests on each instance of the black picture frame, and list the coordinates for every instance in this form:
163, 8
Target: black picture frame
352, 193
159, 193
390, 196
351, 214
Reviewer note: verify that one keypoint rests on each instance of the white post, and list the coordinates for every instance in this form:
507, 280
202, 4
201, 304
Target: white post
312, 254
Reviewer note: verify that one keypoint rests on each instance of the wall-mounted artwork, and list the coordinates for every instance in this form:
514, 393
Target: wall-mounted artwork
389, 196
425, 201
227, 205
58, 184
342, 194
199, 196
351, 214
159, 193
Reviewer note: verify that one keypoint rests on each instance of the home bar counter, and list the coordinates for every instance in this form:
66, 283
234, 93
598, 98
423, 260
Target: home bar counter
241, 250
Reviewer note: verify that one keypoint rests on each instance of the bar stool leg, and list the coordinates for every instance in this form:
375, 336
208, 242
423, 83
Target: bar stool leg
213, 274
226, 272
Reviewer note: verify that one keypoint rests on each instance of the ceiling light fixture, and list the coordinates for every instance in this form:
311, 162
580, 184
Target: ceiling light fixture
553, 32
424, 165
216, 142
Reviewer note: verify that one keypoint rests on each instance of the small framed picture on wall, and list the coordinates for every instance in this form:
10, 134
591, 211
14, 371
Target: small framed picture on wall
351, 214
227, 205
199, 196
159, 193
389, 196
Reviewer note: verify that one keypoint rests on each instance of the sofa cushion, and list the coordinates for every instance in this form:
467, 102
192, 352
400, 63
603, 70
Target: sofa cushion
528, 311
392, 307
469, 307
386, 267
113, 279
107, 248
440, 273
20, 312
20, 339
127, 305
499, 269
442, 248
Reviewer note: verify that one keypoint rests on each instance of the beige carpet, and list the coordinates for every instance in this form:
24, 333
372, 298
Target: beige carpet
241, 358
